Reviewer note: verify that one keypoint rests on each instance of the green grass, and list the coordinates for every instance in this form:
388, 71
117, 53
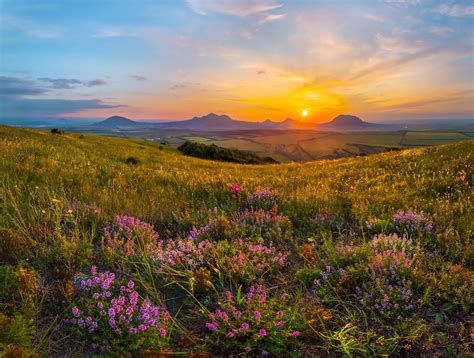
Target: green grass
318, 214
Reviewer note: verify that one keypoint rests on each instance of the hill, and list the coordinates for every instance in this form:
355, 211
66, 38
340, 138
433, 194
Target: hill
116, 122
350, 123
360, 256
215, 122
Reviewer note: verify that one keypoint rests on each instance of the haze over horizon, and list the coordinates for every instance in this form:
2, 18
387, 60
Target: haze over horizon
250, 59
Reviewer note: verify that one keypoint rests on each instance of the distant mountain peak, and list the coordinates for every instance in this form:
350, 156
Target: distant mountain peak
213, 117
117, 121
347, 119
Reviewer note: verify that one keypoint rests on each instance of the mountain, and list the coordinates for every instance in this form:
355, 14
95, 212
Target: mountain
215, 122
350, 123
117, 122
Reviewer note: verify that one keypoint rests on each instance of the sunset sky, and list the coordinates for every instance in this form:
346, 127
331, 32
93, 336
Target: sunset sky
250, 59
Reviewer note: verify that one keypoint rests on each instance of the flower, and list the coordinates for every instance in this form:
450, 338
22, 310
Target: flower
262, 332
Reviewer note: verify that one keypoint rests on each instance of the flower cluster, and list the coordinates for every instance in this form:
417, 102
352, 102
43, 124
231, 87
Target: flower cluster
410, 222
247, 260
235, 191
197, 232
258, 321
263, 199
390, 292
126, 235
240, 259
106, 312
263, 223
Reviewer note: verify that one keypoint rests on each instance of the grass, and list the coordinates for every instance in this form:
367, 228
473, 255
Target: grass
303, 233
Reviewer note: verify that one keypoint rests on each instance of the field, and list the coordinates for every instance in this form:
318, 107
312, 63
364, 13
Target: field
301, 145
125, 247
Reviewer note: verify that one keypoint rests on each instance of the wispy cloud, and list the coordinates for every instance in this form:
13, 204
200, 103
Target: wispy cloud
30, 28
455, 10
70, 83
139, 78
236, 8
12, 86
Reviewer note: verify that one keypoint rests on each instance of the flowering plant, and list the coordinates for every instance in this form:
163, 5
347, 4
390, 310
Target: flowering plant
126, 237
114, 316
261, 199
256, 322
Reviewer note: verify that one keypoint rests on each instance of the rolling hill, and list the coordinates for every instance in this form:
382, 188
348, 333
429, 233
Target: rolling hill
375, 251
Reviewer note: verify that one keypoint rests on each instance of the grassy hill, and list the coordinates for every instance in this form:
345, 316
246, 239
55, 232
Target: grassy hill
364, 256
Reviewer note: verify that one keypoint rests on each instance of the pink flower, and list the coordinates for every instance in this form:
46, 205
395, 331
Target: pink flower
262, 332
212, 326
162, 332
75, 311
257, 314
130, 284
230, 334
294, 334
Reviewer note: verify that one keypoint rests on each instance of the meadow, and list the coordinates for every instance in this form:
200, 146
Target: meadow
301, 145
162, 254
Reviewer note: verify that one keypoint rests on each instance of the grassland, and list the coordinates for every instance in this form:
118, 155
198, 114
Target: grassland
302, 145
315, 244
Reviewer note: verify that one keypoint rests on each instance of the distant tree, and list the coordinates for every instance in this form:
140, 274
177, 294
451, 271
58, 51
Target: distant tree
57, 131
214, 152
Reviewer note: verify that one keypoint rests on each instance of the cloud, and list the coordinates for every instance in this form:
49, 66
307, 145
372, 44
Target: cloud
455, 10
70, 83
184, 85
15, 101
18, 107
61, 83
441, 31
12, 86
236, 8
30, 28
271, 17
139, 78
96, 82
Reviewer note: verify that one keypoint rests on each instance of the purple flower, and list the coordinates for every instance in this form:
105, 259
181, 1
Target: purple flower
75, 311
257, 314
162, 332
294, 334
130, 284
212, 326
230, 334
262, 332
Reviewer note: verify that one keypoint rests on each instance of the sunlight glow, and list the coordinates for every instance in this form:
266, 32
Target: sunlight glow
304, 113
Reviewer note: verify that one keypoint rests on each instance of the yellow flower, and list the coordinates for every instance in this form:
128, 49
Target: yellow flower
69, 211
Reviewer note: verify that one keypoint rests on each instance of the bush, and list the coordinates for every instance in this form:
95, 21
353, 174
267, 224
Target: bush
131, 161
111, 315
214, 152
57, 131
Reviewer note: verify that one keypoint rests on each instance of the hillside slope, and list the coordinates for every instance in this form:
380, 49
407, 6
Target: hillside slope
376, 251
94, 168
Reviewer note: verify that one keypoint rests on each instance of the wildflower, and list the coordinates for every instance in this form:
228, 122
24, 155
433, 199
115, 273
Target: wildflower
75, 311
262, 332
212, 326
230, 334
264, 353
245, 326
257, 314
162, 331
294, 334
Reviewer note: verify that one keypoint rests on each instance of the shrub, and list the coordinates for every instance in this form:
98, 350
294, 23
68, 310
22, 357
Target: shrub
57, 131
111, 315
131, 161
258, 322
214, 152
127, 237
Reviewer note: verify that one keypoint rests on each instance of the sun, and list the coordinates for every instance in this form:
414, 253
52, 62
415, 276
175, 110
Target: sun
304, 113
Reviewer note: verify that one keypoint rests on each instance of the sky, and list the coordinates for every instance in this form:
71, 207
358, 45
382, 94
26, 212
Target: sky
382, 60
